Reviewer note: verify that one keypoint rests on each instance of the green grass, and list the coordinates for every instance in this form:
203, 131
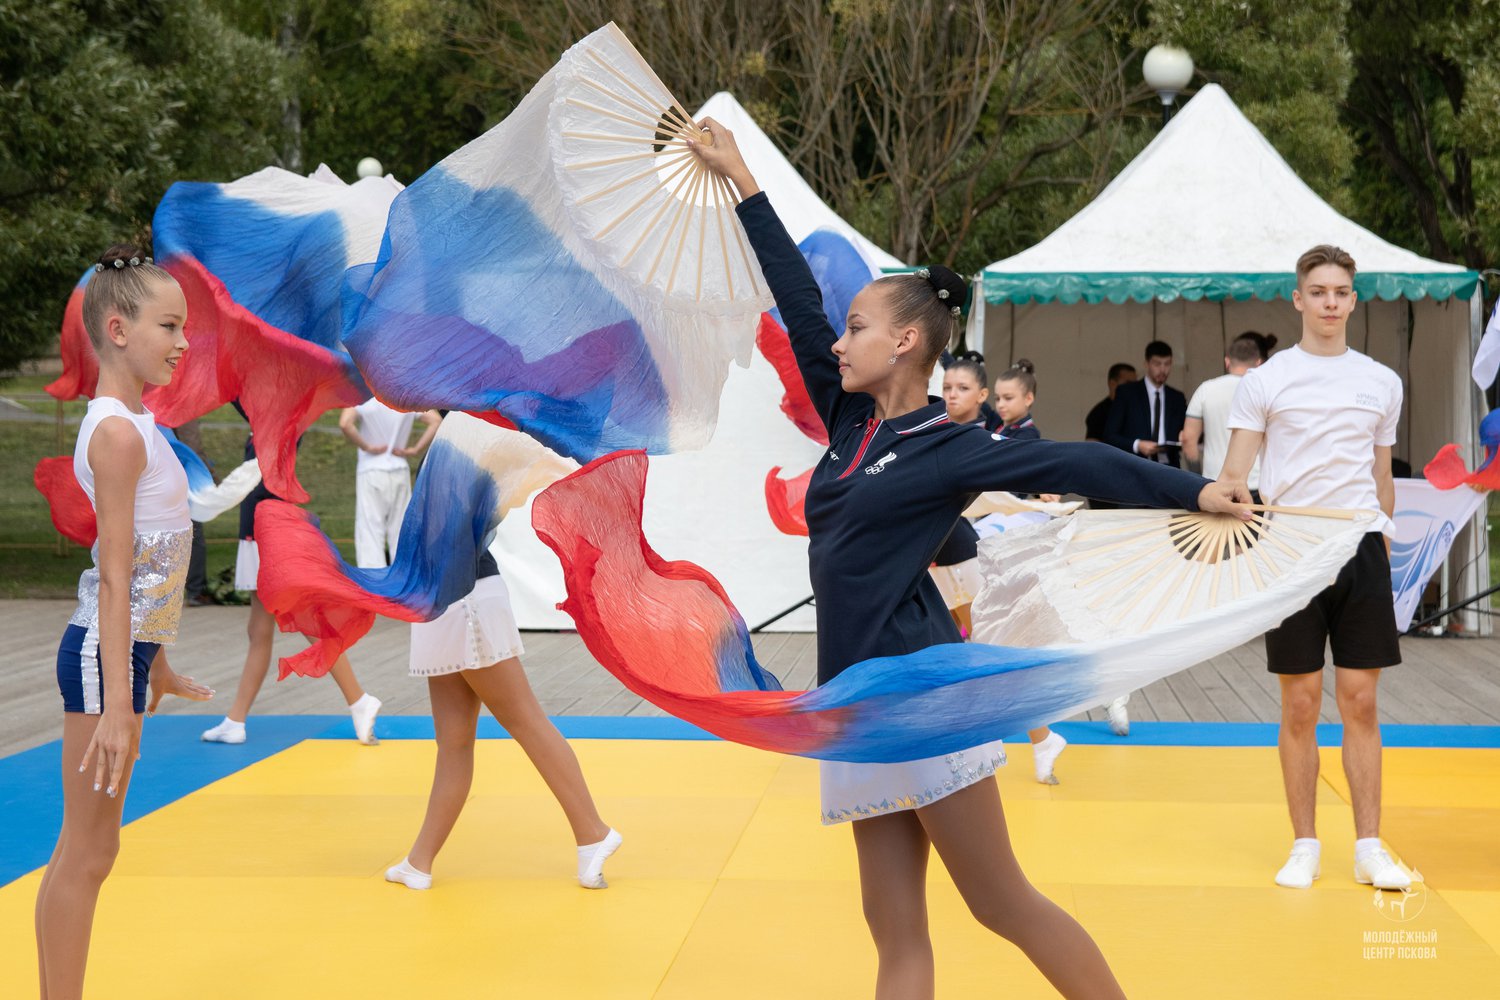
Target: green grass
30, 565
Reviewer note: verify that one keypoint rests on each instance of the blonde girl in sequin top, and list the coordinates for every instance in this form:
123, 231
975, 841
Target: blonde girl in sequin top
129, 601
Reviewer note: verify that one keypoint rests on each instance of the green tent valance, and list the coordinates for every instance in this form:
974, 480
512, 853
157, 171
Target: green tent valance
1122, 286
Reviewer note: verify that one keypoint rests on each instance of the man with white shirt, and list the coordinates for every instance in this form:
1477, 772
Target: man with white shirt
1323, 419
1208, 410
382, 479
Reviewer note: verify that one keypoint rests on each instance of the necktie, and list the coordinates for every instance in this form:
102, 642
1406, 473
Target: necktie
1156, 416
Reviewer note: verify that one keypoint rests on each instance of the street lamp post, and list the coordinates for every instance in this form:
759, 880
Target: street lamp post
1167, 70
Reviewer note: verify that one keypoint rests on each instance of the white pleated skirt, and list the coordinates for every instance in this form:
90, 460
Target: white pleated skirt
246, 565
475, 631
861, 791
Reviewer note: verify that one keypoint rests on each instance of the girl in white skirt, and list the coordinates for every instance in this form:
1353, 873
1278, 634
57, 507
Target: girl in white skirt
470, 656
898, 474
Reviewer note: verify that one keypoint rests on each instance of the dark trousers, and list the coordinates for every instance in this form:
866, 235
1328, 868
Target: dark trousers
197, 574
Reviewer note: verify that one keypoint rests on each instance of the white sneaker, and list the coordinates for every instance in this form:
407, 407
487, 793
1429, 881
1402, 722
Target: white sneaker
1119, 719
363, 712
404, 873
1376, 868
591, 858
1044, 755
1301, 868
227, 731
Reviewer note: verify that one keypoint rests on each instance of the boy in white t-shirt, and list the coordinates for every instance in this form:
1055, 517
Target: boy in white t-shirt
1208, 410
1326, 416
382, 479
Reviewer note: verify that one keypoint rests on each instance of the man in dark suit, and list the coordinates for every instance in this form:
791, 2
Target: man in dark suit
1147, 416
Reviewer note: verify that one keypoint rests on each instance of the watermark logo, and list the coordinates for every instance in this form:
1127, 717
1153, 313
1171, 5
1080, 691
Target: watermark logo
1404, 905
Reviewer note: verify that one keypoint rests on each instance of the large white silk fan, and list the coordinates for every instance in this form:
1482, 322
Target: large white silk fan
1102, 576
636, 192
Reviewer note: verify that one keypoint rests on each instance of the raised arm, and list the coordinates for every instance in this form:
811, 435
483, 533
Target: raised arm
790, 279
977, 463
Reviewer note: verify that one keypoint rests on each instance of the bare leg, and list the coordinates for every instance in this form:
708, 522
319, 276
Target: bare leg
1301, 698
1037, 735
455, 715
261, 630
893, 853
343, 675
962, 618
85, 853
1355, 693
968, 829
505, 692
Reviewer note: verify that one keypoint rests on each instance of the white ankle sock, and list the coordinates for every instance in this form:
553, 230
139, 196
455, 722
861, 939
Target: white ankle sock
1310, 844
1366, 845
408, 875
591, 858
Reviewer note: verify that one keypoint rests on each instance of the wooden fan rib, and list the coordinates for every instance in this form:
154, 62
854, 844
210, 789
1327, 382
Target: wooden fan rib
1282, 526
702, 232
1140, 593
1269, 535
1178, 577
1343, 515
636, 140
1137, 574
655, 168
656, 115
626, 158
661, 253
723, 239
687, 218
666, 203
635, 206
675, 104
739, 236
1139, 538
651, 127
1245, 539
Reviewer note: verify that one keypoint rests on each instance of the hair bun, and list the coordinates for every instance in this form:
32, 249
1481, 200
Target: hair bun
122, 255
949, 285
1024, 365
1268, 342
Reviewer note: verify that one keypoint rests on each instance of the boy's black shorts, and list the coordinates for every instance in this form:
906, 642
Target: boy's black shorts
1356, 615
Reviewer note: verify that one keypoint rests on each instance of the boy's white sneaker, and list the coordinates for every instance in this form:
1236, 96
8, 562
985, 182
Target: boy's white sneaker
1301, 868
1378, 869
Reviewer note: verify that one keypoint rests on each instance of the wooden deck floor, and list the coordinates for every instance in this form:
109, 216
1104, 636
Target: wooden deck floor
1443, 681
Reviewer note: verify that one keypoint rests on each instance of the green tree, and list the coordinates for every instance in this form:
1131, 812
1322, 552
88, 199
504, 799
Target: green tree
1425, 108
102, 106
1288, 67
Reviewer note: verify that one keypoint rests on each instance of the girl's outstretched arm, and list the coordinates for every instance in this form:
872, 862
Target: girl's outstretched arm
790, 279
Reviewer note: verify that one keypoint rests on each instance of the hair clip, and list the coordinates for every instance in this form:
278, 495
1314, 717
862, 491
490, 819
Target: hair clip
923, 273
119, 263
942, 293
958, 311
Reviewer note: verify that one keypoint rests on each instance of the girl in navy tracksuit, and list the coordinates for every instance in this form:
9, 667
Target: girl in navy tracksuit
896, 477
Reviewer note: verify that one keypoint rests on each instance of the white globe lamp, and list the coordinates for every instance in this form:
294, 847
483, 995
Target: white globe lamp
1167, 70
370, 167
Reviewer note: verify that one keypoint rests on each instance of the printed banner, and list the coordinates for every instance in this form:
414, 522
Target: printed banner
1427, 520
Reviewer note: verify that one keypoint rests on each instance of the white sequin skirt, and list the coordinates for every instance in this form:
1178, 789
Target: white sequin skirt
860, 791
959, 584
476, 631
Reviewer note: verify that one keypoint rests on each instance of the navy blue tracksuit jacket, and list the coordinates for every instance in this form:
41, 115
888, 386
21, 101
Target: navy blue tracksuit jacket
887, 492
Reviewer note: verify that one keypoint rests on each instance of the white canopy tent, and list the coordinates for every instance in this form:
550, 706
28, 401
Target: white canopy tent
1194, 243
709, 506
